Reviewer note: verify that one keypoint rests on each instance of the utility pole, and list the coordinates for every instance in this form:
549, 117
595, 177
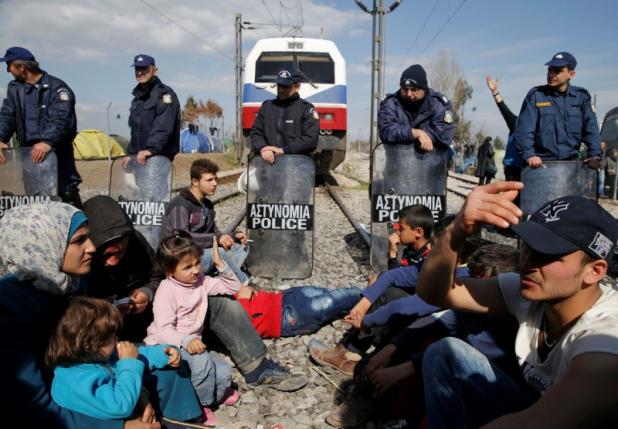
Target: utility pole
377, 61
238, 137
109, 143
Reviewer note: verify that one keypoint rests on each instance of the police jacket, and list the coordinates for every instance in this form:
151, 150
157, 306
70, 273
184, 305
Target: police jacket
291, 124
552, 125
155, 120
434, 116
56, 120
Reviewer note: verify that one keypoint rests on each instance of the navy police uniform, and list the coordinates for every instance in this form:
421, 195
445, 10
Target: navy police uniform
291, 124
43, 112
553, 124
434, 116
155, 118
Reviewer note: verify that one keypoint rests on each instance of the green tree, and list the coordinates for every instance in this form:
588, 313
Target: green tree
499, 143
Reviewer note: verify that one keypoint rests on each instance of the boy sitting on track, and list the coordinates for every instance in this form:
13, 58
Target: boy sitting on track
193, 212
567, 343
413, 230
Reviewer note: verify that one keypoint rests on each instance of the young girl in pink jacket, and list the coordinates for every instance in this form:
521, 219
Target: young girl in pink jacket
179, 308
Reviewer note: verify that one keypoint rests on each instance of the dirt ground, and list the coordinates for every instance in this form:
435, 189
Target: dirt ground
95, 174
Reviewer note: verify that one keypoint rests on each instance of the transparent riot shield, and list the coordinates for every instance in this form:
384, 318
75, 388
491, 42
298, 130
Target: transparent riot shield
24, 182
143, 191
280, 217
556, 179
403, 176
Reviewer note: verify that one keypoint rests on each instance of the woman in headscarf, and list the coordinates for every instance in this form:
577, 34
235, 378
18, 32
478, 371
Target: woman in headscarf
46, 247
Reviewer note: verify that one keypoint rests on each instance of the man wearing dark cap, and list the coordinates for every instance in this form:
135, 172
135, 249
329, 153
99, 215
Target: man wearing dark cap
155, 114
567, 342
287, 124
416, 114
557, 117
40, 110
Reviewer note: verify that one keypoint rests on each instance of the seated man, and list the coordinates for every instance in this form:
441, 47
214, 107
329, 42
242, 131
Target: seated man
567, 343
193, 212
122, 267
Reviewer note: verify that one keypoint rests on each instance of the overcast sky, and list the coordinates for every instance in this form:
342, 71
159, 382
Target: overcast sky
91, 43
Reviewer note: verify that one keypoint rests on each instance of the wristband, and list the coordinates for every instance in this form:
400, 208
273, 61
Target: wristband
495, 93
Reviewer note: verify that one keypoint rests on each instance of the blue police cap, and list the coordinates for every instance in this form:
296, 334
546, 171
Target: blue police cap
17, 53
287, 77
143, 60
562, 59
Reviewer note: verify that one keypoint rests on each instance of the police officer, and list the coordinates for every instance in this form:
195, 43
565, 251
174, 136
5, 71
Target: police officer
416, 114
155, 114
40, 110
287, 124
555, 118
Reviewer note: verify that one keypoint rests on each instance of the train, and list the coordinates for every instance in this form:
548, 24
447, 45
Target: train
323, 69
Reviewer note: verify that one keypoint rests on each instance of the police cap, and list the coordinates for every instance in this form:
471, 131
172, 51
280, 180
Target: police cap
17, 53
562, 59
288, 77
142, 60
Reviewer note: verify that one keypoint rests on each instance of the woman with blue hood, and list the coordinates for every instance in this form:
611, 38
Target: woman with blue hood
46, 247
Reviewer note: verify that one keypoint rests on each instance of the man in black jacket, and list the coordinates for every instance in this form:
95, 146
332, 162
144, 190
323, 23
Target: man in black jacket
155, 114
40, 110
286, 125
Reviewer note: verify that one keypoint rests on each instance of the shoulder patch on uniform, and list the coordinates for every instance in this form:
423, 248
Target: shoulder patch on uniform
167, 98
543, 104
63, 94
448, 117
314, 114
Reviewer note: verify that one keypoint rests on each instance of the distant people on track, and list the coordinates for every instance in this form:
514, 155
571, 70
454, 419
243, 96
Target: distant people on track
193, 212
180, 306
512, 161
555, 118
485, 163
567, 343
286, 125
154, 118
416, 114
40, 109
123, 268
46, 247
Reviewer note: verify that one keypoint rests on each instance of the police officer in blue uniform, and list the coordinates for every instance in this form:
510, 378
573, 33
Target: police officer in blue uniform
287, 124
40, 110
416, 114
555, 118
155, 114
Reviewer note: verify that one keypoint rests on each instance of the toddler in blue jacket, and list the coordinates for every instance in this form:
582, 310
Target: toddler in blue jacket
93, 373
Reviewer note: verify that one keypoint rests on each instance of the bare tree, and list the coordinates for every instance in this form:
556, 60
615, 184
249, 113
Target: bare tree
446, 76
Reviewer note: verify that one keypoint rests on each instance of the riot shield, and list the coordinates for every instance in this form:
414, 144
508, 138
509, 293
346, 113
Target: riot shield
142, 191
24, 182
280, 217
403, 176
556, 179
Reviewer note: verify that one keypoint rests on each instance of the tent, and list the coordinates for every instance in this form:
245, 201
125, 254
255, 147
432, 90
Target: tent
192, 140
95, 144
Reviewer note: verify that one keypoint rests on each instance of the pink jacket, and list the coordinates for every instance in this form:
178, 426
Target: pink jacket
180, 309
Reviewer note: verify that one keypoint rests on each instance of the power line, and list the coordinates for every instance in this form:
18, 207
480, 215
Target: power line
418, 35
441, 29
271, 15
186, 30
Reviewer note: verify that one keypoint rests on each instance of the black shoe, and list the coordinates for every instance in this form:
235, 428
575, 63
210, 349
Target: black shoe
279, 378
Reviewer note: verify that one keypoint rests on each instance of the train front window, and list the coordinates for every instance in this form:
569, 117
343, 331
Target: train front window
316, 67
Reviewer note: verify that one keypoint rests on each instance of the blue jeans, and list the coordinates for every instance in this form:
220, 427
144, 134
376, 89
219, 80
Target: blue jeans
305, 309
234, 257
601, 190
463, 389
209, 376
171, 393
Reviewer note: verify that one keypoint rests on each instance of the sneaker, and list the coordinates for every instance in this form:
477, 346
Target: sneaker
351, 413
231, 396
337, 357
279, 378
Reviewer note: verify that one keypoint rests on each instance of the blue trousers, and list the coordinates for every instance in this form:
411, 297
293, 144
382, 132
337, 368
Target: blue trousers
463, 389
209, 376
171, 393
305, 309
234, 257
